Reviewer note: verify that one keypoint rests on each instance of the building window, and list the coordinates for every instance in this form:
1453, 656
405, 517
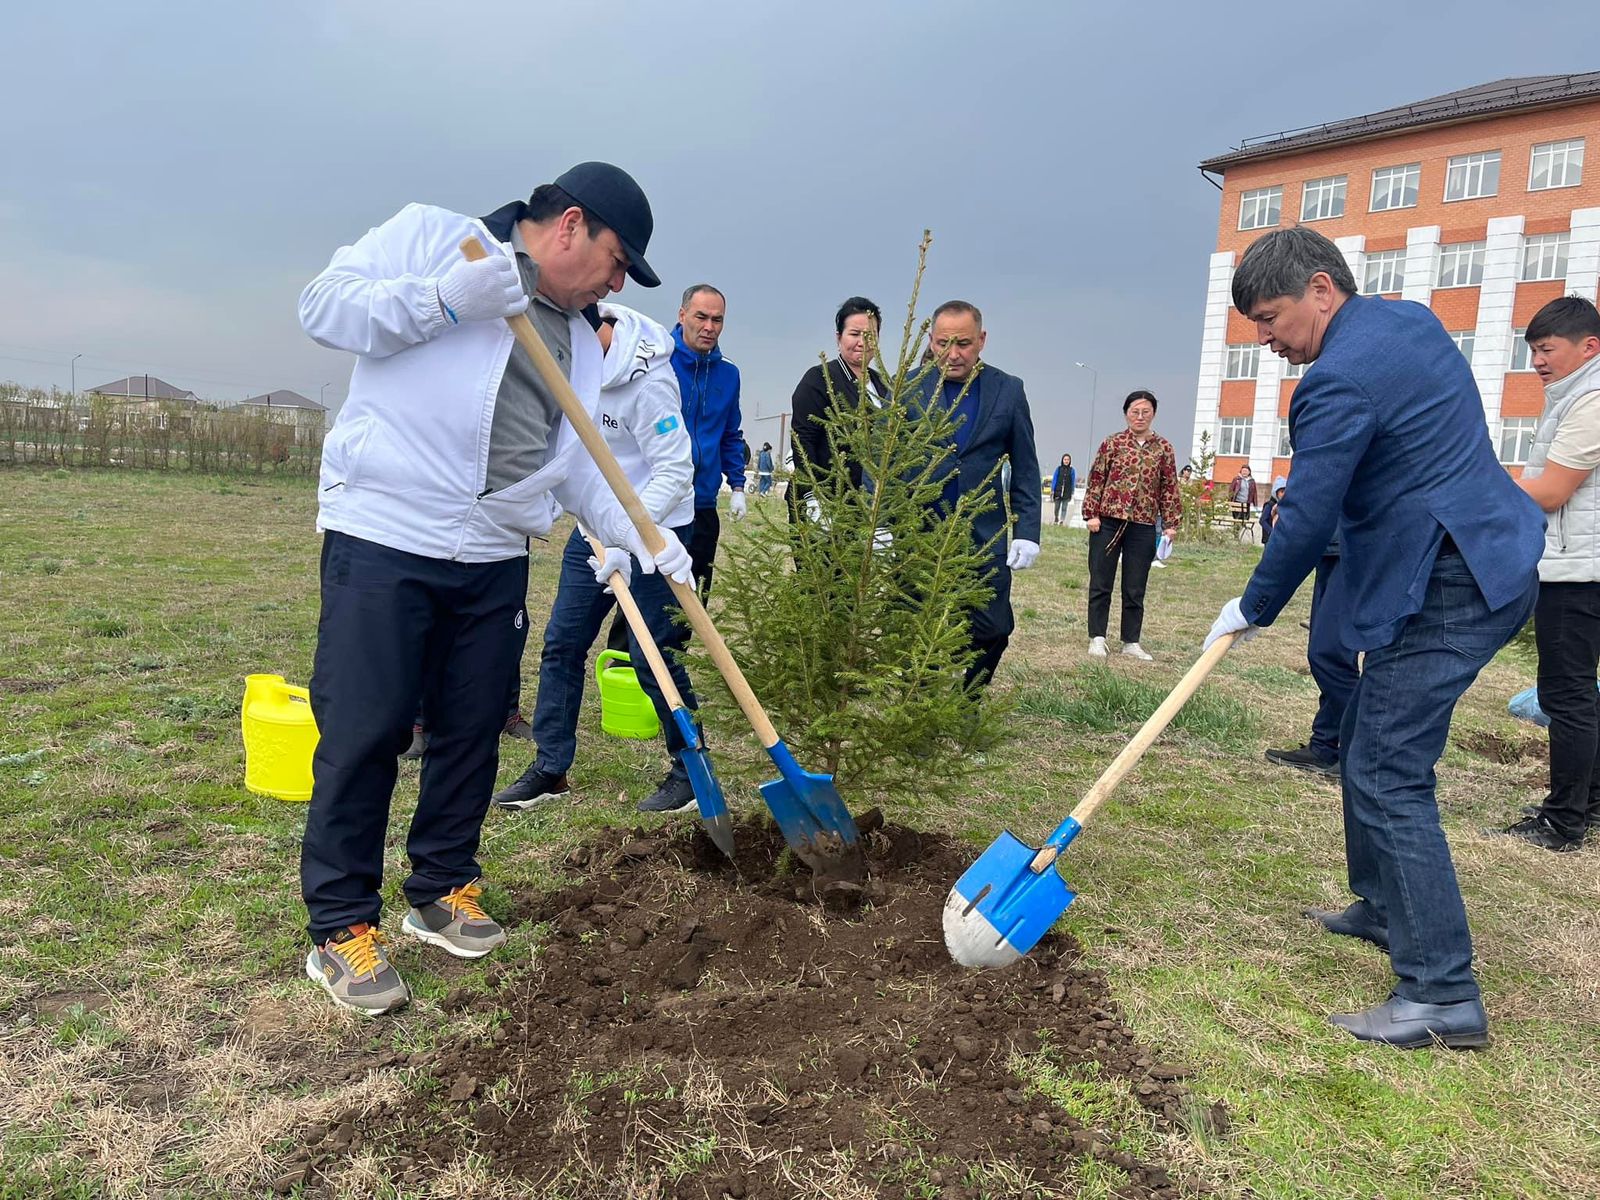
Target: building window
1545, 256
1285, 450
1516, 439
1293, 370
1521, 352
1556, 165
1473, 176
1461, 264
1464, 340
1323, 198
1396, 187
1233, 436
1244, 361
1260, 209
1385, 273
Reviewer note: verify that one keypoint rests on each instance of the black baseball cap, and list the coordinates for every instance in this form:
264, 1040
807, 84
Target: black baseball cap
612, 195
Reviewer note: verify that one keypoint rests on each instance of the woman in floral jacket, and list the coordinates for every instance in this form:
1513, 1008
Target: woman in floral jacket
1134, 480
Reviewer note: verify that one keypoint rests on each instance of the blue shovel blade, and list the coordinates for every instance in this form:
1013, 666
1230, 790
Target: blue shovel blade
813, 818
1000, 908
707, 791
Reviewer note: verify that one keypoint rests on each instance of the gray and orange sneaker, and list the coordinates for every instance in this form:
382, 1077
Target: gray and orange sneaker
354, 970
456, 922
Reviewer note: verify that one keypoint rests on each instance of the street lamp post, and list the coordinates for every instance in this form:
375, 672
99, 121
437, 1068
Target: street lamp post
321, 393
1094, 388
73, 367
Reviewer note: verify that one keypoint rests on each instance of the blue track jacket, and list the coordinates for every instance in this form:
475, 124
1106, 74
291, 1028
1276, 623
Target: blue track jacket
709, 386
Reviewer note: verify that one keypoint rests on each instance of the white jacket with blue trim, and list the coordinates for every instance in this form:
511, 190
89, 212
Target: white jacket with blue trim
405, 462
641, 416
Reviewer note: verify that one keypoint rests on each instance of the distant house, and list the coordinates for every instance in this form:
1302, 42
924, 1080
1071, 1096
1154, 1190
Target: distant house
150, 400
284, 407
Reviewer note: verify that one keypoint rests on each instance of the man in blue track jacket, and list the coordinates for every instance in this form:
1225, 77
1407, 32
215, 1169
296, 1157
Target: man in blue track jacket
1435, 577
709, 385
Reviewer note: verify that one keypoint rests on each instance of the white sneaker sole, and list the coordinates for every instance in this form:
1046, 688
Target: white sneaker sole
532, 801
423, 934
314, 973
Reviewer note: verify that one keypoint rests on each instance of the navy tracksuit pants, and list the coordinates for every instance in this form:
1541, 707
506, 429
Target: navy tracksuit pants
395, 626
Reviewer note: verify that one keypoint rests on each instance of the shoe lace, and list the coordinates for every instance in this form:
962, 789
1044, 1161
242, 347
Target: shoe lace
364, 952
464, 900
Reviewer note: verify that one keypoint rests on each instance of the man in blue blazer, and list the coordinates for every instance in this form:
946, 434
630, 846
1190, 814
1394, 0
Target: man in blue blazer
992, 420
1439, 570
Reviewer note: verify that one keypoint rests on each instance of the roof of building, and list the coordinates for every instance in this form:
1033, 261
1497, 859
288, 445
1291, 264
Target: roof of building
283, 398
143, 387
1468, 104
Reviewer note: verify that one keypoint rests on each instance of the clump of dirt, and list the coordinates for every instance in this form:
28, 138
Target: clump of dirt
1496, 747
694, 1030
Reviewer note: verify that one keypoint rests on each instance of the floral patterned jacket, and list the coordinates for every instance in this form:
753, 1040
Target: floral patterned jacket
1134, 481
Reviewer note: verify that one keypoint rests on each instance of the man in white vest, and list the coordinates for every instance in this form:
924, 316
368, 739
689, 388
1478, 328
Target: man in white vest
1562, 476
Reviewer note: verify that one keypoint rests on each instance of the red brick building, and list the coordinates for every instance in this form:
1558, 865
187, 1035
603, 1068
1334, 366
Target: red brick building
1477, 203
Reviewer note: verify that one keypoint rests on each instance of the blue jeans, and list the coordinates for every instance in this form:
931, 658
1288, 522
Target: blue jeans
1393, 733
581, 607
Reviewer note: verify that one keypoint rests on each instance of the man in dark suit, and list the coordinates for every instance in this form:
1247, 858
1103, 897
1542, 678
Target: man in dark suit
992, 420
1437, 575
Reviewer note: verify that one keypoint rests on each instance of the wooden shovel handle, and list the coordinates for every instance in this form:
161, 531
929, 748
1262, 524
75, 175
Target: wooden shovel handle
641, 631
1140, 742
593, 441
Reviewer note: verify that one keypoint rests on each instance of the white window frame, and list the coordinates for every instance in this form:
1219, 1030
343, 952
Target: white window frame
1451, 256
1521, 430
1294, 370
1466, 341
1324, 199
1285, 450
1242, 356
1569, 167
1233, 437
1544, 256
1475, 176
1385, 180
1261, 202
1521, 352
1389, 266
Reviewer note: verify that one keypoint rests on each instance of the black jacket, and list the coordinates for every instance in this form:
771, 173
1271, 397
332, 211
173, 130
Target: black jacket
810, 406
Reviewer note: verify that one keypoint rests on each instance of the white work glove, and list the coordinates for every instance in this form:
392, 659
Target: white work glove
673, 561
482, 290
1231, 620
616, 561
738, 506
1022, 554
882, 539
814, 513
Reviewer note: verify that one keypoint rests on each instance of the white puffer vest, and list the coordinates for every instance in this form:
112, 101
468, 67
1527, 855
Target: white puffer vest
1572, 534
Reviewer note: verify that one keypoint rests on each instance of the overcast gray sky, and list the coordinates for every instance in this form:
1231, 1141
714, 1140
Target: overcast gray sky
175, 172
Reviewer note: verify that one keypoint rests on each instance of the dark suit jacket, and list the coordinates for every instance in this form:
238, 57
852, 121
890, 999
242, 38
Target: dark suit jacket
1003, 426
1391, 450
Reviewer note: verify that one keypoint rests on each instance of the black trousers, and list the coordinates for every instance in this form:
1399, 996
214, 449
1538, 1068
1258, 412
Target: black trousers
1566, 626
702, 547
395, 626
992, 625
1335, 669
1135, 546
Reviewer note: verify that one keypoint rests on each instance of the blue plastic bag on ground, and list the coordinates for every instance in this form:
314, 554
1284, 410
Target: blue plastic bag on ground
1525, 707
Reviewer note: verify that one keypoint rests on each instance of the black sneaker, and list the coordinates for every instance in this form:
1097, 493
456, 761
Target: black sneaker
532, 788
419, 743
1591, 823
1305, 759
1538, 831
676, 793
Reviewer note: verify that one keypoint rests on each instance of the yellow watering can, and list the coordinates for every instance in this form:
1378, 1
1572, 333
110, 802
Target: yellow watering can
625, 711
280, 735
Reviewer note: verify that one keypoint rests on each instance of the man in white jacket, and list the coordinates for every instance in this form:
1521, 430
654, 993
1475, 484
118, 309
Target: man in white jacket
448, 454
1562, 476
641, 417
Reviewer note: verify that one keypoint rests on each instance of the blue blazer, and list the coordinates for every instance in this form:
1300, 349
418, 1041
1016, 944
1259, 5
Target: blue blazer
1391, 451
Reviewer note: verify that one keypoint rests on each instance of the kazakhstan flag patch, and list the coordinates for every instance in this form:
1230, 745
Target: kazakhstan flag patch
666, 424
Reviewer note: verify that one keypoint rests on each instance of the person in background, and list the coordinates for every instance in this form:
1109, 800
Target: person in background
855, 327
1062, 486
709, 384
1242, 497
1132, 485
1434, 578
1269, 509
1562, 479
764, 469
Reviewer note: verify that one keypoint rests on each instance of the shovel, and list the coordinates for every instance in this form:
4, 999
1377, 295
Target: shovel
807, 807
707, 791
1010, 897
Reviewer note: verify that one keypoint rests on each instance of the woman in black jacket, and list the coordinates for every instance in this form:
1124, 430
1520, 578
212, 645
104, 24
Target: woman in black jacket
856, 326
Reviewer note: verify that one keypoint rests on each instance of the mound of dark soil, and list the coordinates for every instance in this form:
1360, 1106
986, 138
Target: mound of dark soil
694, 1031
